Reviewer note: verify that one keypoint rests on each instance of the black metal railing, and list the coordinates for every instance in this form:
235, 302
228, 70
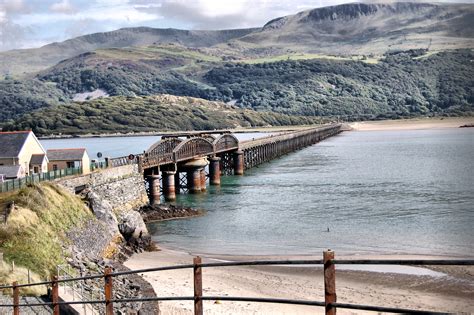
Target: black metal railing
330, 304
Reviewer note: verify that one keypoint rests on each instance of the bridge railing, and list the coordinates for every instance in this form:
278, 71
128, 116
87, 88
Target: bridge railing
328, 262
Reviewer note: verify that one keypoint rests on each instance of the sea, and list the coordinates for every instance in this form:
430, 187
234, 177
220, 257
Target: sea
382, 192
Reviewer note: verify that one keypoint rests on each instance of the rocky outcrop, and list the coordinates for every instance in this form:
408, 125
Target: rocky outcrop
103, 211
132, 225
162, 212
128, 286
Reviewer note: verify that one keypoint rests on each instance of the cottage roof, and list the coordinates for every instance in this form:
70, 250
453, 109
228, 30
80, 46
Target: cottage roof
12, 142
66, 154
10, 171
37, 159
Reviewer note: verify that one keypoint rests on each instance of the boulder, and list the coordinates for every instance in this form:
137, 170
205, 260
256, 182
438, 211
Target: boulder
103, 212
132, 224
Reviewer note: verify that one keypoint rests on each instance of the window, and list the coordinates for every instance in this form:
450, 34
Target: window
35, 169
55, 167
70, 164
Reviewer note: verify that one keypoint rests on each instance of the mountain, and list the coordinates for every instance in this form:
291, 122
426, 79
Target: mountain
31, 60
356, 61
348, 29
359, 28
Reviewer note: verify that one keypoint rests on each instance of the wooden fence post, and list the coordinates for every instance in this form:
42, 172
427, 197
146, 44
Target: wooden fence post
16, 298
109, 306
329, 282
198, 310
55, 295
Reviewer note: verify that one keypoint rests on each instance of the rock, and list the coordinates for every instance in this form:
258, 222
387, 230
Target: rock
133, 224
103, 211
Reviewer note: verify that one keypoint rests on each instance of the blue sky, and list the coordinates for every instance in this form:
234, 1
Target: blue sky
33, 23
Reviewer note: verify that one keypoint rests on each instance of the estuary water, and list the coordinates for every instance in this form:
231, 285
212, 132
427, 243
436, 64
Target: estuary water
377, 192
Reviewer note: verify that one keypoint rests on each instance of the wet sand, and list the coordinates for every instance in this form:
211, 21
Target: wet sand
445, 289
412, 124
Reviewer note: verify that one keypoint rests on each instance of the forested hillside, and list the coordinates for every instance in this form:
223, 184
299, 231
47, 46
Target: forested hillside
399, 85
121, 114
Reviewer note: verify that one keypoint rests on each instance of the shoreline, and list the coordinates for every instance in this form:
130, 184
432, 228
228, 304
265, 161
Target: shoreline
368, 125
412, 124
447, 289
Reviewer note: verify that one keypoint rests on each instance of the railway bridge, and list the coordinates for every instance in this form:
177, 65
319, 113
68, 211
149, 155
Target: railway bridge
178, 163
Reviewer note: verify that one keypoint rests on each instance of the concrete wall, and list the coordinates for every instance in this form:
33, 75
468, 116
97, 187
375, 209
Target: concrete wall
122, 186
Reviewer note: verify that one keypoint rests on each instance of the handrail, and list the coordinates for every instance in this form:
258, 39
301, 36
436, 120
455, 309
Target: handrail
197, 265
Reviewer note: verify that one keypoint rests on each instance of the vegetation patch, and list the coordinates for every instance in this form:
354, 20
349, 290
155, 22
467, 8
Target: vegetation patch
144, 114
34, 232
10, 273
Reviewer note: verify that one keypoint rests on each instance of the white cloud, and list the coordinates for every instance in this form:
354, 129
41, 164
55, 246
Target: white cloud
13, 6
64, 7
29, 22
116, 14
218, 14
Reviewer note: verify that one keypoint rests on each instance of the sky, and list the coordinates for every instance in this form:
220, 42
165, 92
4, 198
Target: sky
33, 23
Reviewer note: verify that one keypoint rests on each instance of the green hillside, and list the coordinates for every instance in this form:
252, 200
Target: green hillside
123, 114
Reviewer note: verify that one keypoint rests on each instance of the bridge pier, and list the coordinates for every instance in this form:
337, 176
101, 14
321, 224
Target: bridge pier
214, 171
169, 185
203, 179
194, 181
239, 162
196, 177
154, 182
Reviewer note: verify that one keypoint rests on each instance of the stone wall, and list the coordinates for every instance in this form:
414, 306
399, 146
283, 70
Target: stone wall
123, 187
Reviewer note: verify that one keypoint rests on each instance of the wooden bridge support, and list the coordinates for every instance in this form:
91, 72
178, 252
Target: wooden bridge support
177, 183
214, 171
265, 150
169, 187
239, 162
154, 184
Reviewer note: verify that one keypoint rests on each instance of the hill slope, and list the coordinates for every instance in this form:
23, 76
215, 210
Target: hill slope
146, 114
31, 60
347, 29
358, 28
402, 84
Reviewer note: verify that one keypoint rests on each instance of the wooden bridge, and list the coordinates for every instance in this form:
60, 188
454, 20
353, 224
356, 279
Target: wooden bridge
183, 162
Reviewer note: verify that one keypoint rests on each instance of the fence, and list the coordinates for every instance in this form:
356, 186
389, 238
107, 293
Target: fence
18, 183
14, 184
77, 289
330, 304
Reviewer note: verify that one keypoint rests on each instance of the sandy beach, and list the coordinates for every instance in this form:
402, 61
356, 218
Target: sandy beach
448, 289
412, 124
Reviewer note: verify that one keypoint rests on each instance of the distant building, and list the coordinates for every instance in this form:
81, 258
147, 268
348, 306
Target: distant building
11, 172
68, 158
21, 154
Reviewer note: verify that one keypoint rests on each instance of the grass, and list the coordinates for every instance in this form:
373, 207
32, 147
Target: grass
427, 54
371, 60
155, 52
8, 275
35, 230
